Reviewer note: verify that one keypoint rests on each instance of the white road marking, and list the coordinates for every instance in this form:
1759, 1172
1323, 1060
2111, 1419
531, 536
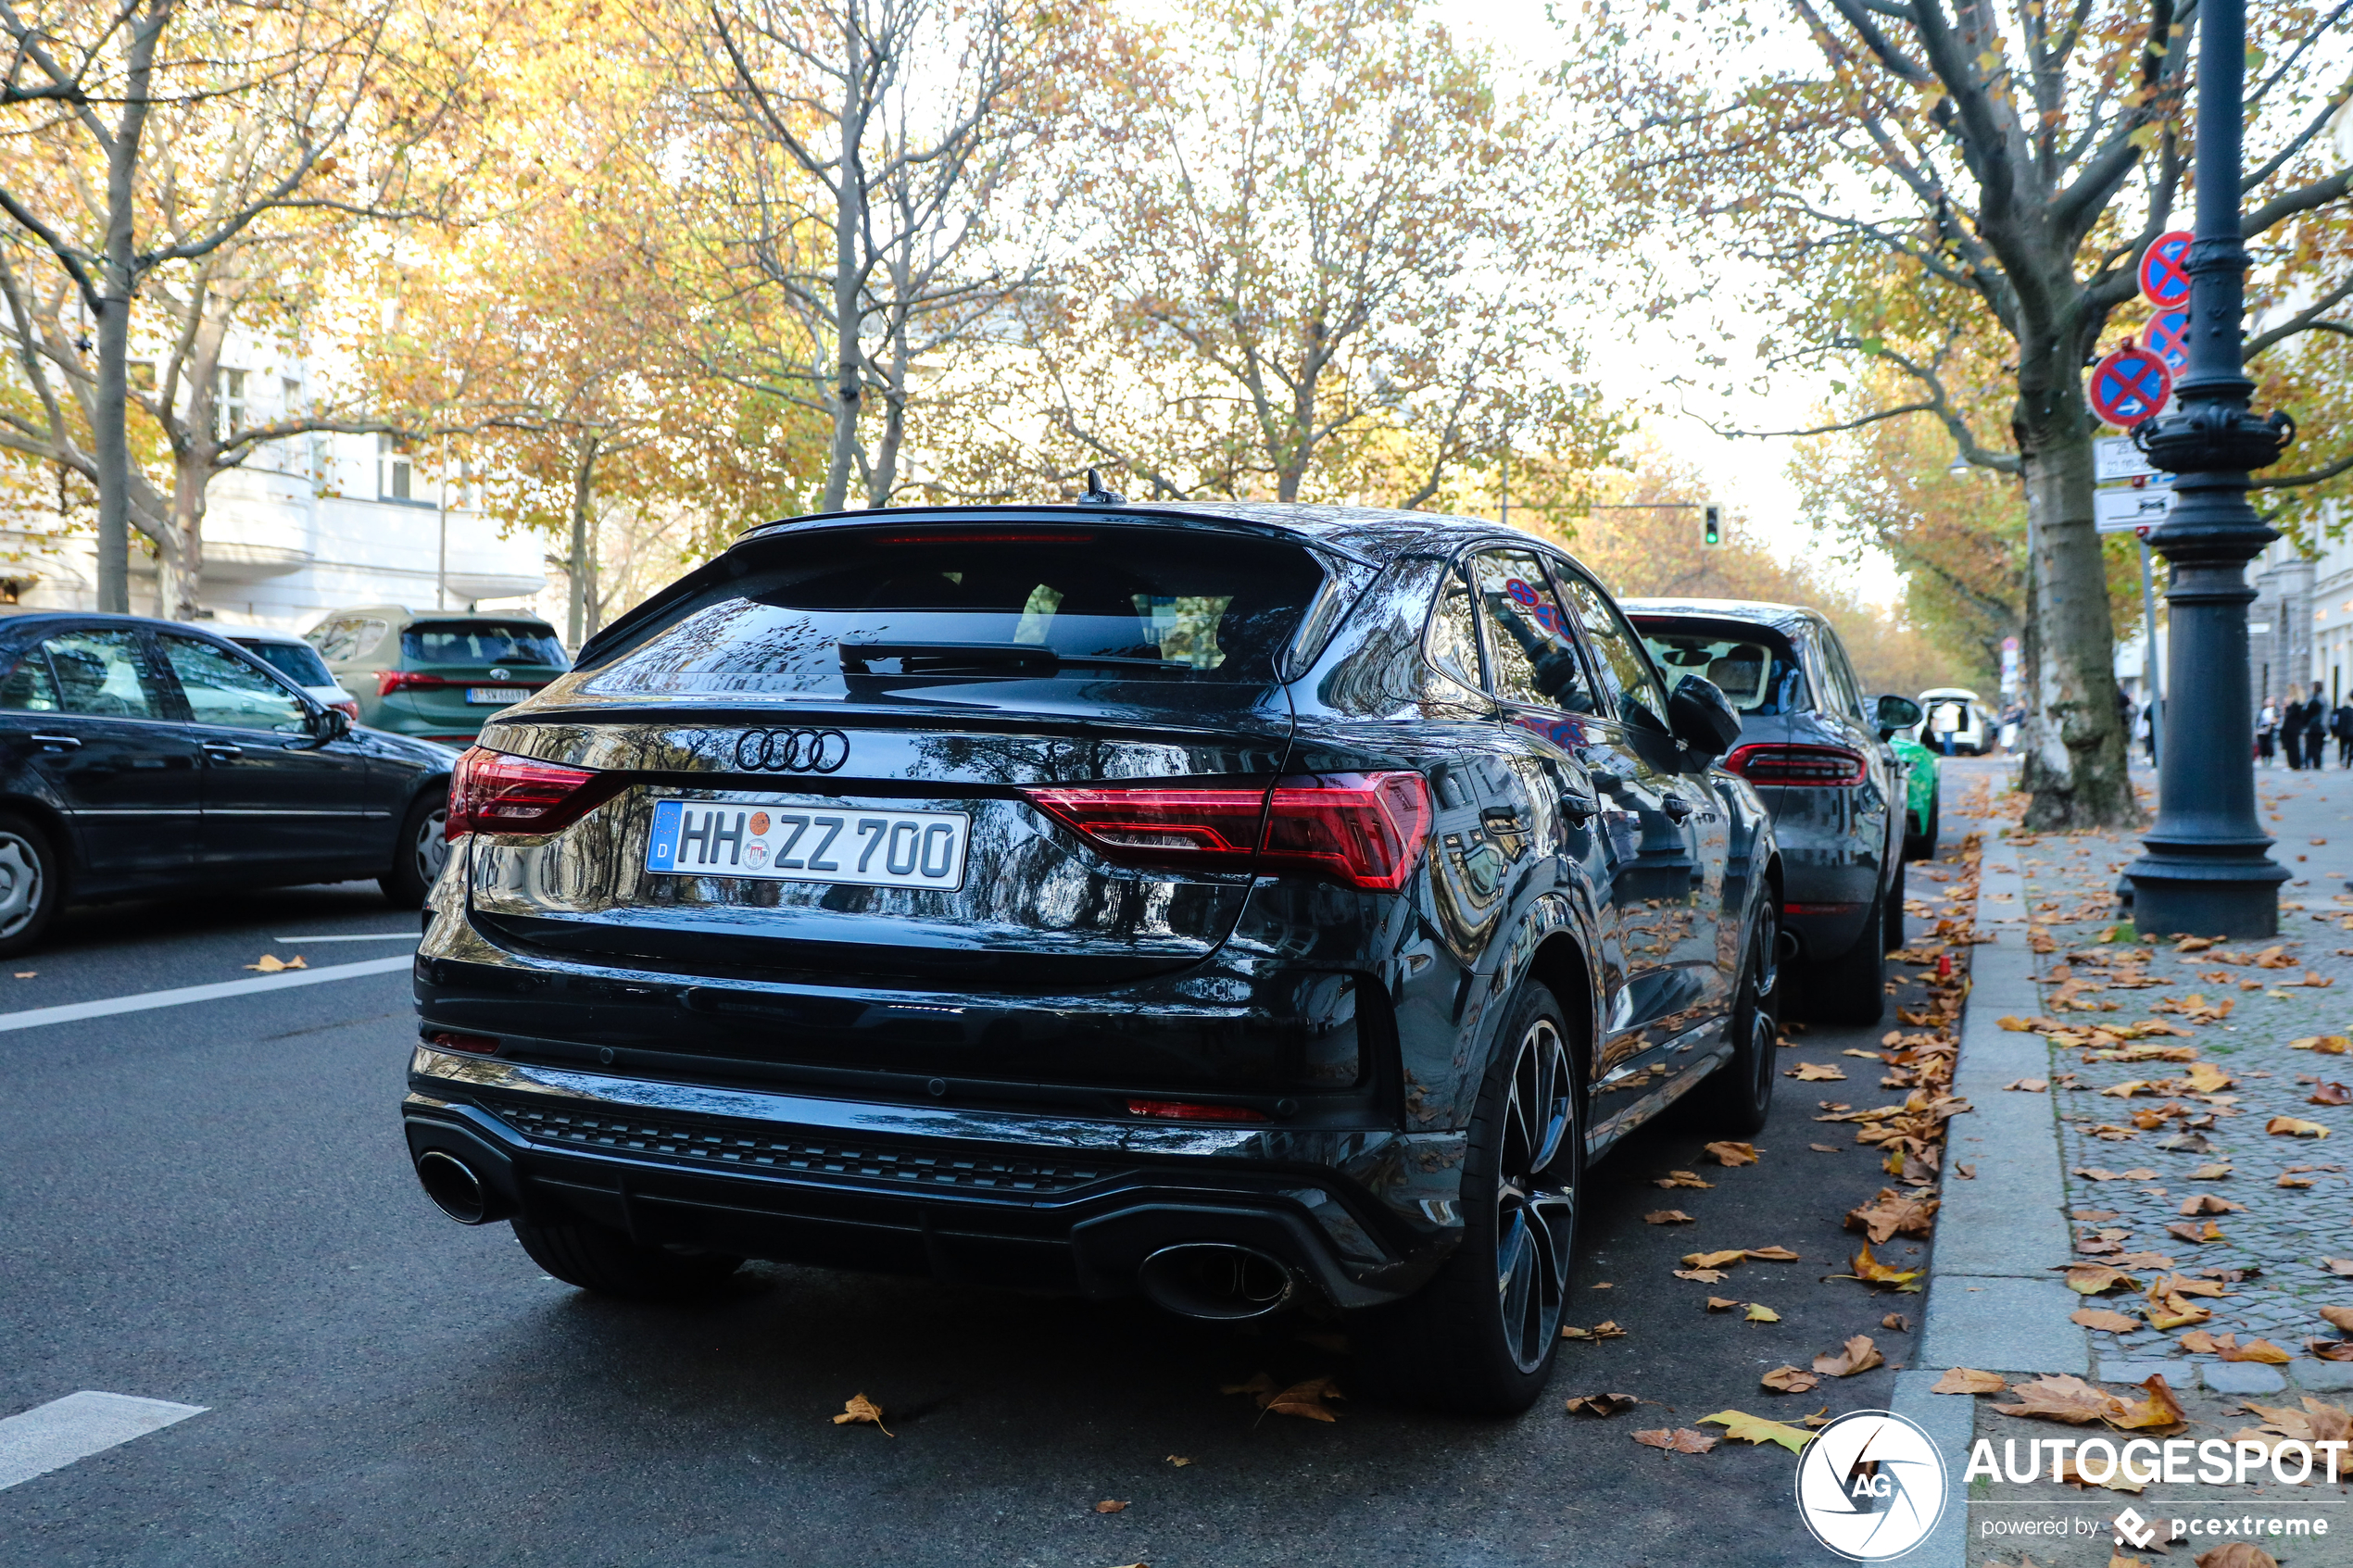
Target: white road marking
53, 1436
363, 937
73, 1012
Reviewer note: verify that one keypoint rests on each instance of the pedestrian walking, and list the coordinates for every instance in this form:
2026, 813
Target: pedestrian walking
2341, 726
2267, 729
2316, 728
2290, 721
2012, 717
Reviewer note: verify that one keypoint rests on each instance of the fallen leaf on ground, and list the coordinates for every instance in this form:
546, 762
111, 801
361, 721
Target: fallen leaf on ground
1713, 1260
2069, 1398
1110, 1506
1705, 1276
1721, 1303
2327, 1045
1870, 1271
1789, 1380
1858, 1354
1683, 1440
2207, 1203
1889, 1215
1602, 1404
1897, 1322
2329, 1092
2092, 1279
1968, 1380
2117, 1482
2331, 1349
1667, 1217
2293, 1182
2211, 1173
1304, 1399
1733, 1153
2237, 1554
2029, 1086
2104, 1320
1772, 1254
1823, 1147
2204, 1078
1180, 1461
1681, 1179
2295, 1127
2201, 1234
2340, 1318
2338, 1265
271, 964
1756, 1429
859, 1408
1759, 1313
25, 974
1816, 1072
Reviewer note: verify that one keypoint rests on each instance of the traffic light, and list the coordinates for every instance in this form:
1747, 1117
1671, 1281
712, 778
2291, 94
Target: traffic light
1713, 529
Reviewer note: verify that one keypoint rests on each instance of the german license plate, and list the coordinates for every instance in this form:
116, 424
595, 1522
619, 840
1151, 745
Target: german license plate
789, 843
502, 696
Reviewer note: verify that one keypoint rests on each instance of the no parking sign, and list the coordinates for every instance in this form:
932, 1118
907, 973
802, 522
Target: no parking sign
2129, 385
2165, 277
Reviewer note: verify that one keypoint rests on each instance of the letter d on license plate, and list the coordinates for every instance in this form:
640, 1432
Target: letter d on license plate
792, 843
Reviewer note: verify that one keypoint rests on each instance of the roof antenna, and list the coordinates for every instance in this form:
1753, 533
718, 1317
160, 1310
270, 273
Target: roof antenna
1097, 496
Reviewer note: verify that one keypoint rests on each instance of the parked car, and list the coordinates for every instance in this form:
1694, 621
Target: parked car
1816, 749
1956, 709
298, 662
440, 674
1920, 778
1230, 903
140, 757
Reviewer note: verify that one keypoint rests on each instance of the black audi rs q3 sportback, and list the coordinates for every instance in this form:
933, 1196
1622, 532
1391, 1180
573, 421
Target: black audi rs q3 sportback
1223, 902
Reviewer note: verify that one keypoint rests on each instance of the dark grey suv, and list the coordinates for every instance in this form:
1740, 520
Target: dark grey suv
1229, 903
1816, 746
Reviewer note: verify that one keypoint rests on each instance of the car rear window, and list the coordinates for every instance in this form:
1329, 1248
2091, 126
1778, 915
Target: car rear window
1757, 670
482, 642
915, 604
296, 661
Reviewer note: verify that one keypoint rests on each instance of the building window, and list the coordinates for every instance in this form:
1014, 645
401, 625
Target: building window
231, 409
395, 470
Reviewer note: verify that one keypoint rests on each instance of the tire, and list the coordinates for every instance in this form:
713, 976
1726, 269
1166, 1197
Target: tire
1479, 1339
32, 884
418, 854
1922, 846
1738, 1096
609, 1264
1851, 988
1891, 912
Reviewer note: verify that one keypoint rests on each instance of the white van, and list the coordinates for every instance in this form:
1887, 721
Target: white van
1951, 710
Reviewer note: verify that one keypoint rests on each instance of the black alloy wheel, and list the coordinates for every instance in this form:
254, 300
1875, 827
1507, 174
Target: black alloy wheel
1738, 1096
1479, 1338
1891, 912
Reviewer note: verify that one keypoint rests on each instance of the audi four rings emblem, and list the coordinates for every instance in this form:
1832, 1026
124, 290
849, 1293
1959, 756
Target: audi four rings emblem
792, 752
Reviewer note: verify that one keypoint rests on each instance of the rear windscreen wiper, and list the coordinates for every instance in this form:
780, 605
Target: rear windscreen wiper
922, 659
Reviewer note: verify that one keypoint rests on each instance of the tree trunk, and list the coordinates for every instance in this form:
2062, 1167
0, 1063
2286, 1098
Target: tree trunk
2073, 767
583, 473
849, 231
179, 556
883, 480
117, 280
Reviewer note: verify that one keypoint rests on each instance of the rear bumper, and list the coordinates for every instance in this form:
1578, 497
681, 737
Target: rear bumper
1027, 1201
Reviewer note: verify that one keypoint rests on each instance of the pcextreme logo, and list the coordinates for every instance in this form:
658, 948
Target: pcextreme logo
1870, 1485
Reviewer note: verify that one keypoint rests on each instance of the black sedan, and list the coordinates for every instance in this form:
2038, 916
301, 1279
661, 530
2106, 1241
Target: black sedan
1229, 903
1816, 746
140, 757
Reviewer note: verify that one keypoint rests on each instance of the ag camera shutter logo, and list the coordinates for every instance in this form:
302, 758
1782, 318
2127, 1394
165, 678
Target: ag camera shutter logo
1870, 1485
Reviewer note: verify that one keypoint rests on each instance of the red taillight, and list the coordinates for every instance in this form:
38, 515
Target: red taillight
1365, 830
491, 792
391, 681
1188, 1110
480, 1045
1780, 763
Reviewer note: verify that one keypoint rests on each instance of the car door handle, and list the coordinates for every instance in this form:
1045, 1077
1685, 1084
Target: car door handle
1675, 808
1578, 805
58, 743
222, 751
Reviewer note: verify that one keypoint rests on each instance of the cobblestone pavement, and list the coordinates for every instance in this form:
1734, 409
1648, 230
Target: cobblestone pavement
2175, 1128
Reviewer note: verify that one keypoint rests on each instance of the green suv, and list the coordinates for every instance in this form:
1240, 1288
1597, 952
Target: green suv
438, 675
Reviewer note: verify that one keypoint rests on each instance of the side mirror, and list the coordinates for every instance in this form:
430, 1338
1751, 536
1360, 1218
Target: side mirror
329, 724
1897, 713
1702, 717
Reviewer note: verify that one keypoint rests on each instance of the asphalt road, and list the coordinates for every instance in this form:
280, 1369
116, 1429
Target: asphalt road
210, 1204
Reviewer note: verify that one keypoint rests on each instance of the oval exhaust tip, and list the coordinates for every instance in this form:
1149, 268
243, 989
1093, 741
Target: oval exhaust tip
453, 1187
1215, 1280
